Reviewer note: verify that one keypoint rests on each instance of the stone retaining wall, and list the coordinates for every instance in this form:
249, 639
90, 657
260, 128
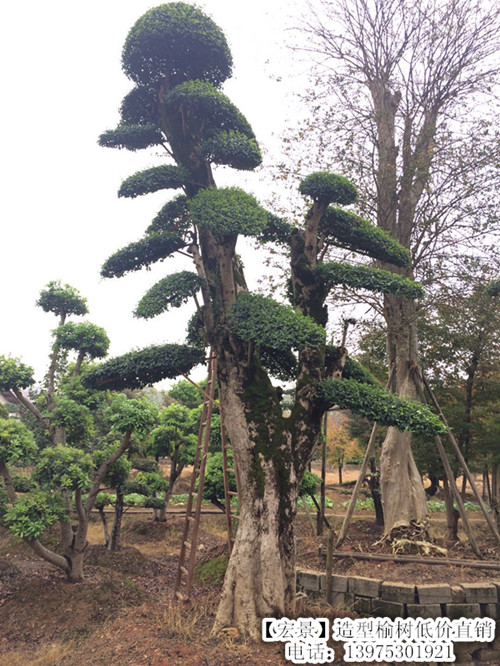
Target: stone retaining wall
379, 598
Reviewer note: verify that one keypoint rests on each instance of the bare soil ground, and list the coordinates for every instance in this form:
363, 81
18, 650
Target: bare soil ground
124, 612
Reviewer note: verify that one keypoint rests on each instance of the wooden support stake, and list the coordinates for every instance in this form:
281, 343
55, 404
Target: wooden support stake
329, 564
451, 479
357, 488
461, 460
445, 561
321, 507
362, 473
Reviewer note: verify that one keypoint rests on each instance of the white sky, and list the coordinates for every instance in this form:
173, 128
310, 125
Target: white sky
60, 215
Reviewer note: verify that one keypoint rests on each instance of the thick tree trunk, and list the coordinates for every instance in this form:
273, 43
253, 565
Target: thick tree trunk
66, 534
260, 579
402, 489
403, 495
75, 574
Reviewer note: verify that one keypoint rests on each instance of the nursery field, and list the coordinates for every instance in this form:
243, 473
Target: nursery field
124, 612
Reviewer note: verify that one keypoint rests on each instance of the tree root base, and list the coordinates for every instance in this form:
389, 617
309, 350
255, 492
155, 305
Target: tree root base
412, 539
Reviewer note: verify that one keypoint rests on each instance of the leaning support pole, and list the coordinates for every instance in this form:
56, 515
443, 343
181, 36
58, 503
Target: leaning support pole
329, 564
444, 561
461, 460
357, 488
361, 477
321, 508
457, 496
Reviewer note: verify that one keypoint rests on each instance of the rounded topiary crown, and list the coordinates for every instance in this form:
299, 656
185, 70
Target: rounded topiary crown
176, 41
329, 188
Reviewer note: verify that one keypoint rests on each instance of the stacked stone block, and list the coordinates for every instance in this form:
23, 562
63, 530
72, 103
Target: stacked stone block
380, 598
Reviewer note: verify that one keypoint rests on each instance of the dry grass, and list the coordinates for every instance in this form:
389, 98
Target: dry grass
183, 621
47, 655
214, 524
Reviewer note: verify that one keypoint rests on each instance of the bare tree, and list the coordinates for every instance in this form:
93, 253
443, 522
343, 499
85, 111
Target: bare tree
405, 79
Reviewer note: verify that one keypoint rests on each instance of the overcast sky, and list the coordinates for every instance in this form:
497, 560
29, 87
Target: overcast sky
61, 217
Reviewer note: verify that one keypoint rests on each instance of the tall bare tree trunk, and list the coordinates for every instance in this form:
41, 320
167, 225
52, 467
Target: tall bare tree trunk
402, 489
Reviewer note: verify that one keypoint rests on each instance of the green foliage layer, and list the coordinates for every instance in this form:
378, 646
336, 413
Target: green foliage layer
140, 106
328, 188
277, 231
151, 180
132, 137
32, 514
357, 234
142, 253
137, 369
62, 300
310, 484
16, 442
174, 291
262, 320
14, 374
172, 218
228, 211
213, 488
378, 405
84, 337
492, 288
233, 149
177, 41
280, 363
136, 415
119, 471
354, 370
207, 109
63, 467
367, 277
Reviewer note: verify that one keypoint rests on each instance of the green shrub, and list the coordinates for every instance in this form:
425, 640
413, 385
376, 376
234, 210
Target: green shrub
23, 484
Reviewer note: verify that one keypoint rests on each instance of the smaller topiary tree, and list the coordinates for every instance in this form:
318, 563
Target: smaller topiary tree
101, 502
152, 484
213, 487
115, 478
174, 438
61, 470
186, 394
